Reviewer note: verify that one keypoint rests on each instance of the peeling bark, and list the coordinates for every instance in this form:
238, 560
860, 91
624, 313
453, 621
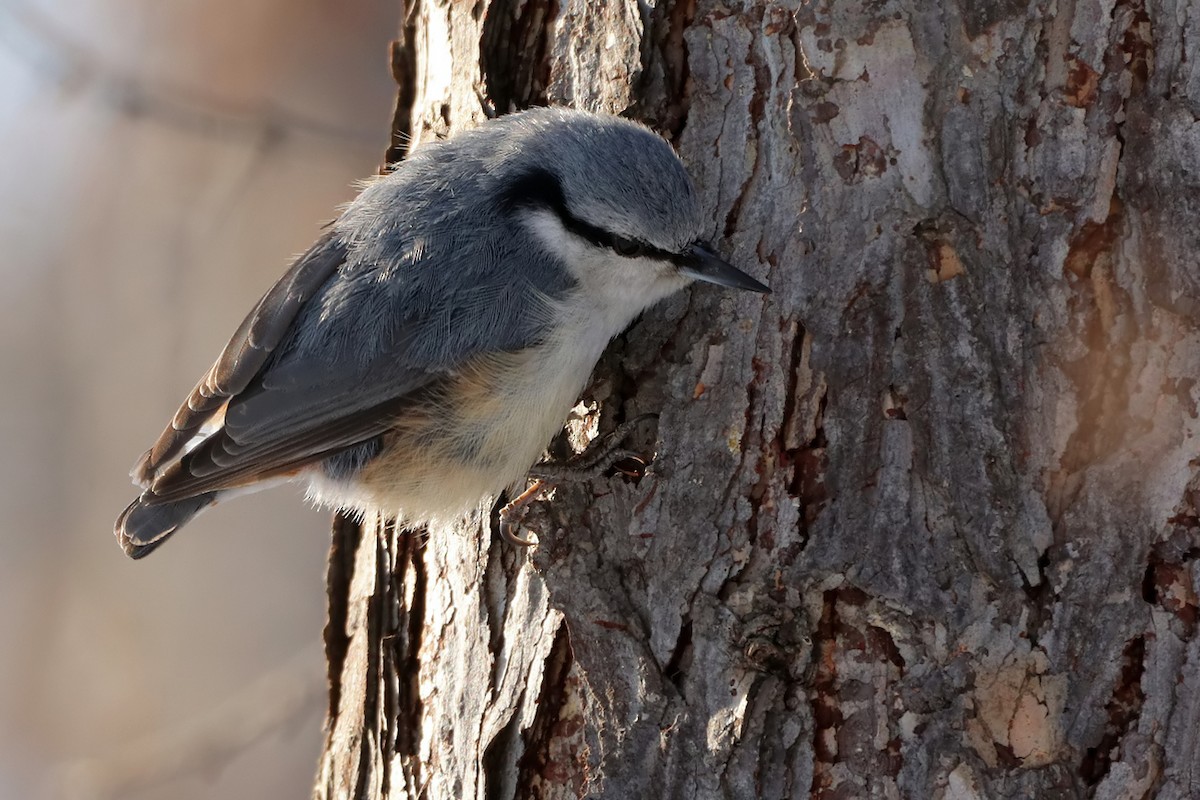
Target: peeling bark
922, 523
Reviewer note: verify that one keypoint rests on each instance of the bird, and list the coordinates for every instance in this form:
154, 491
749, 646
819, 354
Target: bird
422, 353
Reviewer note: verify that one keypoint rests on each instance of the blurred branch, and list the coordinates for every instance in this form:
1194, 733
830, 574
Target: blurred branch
55, 57
204, 744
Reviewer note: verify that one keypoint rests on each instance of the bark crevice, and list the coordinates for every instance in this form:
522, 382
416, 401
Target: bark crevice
514, 52
920, 522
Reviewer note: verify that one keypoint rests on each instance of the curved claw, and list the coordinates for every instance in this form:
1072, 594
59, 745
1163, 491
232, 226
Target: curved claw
509, 532
632, 465
602, 454
512, 514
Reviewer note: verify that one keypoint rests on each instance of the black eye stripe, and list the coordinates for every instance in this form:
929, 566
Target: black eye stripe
628, 247
539, 188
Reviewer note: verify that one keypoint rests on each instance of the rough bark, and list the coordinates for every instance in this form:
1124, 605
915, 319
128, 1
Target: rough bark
921, 523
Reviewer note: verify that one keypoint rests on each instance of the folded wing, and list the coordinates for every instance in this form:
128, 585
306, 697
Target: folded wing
266, 413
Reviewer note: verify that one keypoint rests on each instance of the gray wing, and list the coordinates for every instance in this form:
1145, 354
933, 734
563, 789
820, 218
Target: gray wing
274, 428
287, 405
244, 356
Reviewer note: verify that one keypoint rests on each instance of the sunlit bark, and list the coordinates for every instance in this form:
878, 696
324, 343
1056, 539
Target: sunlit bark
922, 522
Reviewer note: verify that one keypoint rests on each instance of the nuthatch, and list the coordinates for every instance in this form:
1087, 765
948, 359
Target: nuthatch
421, 355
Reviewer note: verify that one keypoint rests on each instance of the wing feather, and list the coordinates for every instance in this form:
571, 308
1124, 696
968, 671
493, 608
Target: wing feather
245, 355
220, 463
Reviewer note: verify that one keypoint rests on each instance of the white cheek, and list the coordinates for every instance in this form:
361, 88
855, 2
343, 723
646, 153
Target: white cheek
613, 288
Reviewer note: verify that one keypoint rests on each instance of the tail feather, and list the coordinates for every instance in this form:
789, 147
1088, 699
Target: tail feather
146, 523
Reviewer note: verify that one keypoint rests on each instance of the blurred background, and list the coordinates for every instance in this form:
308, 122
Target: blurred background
161, 164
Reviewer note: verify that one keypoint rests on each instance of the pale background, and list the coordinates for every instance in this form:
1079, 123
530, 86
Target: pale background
161, 163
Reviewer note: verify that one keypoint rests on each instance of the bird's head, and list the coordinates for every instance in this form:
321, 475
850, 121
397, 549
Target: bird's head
613, 202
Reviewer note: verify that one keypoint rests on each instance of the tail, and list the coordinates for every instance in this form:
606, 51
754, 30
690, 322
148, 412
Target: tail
148, 521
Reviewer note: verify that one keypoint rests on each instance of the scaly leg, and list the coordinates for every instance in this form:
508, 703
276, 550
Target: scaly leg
512, 514
593, 462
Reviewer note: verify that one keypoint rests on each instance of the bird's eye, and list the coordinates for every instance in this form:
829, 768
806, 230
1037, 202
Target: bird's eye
627, 247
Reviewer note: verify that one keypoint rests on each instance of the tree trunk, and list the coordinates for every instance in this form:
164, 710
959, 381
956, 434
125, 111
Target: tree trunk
922, 522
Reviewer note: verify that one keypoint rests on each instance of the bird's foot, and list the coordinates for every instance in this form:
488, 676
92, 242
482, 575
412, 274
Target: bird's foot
604, 453
514, 513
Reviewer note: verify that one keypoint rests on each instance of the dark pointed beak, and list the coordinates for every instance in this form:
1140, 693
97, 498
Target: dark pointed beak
700, 262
